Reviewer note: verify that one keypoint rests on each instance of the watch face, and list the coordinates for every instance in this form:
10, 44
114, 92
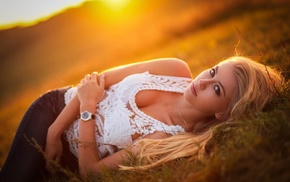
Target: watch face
86, 115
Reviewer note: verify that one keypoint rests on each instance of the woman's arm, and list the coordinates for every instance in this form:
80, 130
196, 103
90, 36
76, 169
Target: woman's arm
93, 164
90, 92
162, 66
53, 148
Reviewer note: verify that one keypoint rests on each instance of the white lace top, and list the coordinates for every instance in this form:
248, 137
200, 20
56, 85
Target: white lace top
118, 117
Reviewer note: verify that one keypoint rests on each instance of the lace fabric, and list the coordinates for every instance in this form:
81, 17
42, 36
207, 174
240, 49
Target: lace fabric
118, 117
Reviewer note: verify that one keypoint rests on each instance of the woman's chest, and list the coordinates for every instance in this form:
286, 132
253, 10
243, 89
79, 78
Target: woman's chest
147, 98
153, 103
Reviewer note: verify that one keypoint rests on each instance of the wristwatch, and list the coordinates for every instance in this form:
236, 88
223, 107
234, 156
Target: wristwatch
86, 116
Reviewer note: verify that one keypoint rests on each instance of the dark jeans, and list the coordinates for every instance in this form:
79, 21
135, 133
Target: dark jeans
24, 162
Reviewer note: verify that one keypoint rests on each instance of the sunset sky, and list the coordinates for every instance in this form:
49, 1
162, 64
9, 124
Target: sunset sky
26, 12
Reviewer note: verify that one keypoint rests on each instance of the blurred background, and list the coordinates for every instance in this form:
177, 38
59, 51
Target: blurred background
57, 48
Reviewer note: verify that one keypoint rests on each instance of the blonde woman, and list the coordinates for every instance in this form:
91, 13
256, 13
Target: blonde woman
134, 108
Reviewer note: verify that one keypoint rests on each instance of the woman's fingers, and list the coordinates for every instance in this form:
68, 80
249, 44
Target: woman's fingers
83, 81
88, 77
102, 81
94, 77
92, 88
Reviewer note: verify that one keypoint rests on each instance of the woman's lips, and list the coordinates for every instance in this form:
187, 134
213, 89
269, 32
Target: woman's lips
193, 90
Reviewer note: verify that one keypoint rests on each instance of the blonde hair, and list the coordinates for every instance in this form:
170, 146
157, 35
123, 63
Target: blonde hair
256, 86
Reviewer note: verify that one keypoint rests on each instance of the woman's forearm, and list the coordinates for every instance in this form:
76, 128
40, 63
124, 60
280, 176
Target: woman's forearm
88, 154
66, 117
53, 147
89, 94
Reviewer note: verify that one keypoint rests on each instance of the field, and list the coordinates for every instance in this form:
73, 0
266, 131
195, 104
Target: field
257, 151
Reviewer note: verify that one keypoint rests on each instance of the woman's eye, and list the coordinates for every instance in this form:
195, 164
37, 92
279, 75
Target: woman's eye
217, 90
212, 72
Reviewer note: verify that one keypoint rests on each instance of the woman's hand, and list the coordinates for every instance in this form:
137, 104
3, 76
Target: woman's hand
91, 89
54, 147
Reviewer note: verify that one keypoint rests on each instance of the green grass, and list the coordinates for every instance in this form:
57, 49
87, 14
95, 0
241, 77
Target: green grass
259, 148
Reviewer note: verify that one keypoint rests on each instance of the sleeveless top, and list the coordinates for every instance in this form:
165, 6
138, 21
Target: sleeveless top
118, 117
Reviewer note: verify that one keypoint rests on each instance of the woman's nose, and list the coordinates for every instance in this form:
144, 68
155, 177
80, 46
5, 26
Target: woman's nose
203, 83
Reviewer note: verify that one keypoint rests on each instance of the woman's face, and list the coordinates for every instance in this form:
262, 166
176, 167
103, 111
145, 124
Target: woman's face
211, 91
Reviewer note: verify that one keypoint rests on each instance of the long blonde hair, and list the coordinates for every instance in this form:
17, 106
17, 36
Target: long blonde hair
256, 86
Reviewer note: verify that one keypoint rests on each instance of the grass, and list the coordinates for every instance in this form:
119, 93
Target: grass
258, 149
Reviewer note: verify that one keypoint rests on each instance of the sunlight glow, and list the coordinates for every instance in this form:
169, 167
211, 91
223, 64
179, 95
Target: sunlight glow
29, 12
116, 4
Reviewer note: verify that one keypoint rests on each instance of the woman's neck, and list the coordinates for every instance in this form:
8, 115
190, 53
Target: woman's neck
183, 114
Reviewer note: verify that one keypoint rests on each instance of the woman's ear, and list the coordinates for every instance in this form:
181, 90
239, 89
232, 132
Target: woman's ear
220, 116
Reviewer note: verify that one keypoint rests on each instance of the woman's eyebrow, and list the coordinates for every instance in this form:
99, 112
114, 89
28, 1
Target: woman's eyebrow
224, 91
